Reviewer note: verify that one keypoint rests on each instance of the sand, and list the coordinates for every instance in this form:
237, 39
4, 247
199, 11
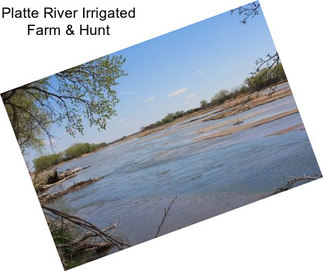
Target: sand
287, 130
238, 128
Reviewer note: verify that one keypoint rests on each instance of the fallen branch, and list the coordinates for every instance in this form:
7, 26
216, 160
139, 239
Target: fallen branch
46, 198
291, 182
164, 217
87, 225
70, 172
62, 177
72, 247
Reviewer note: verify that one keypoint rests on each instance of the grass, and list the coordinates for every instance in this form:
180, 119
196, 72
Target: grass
62, 235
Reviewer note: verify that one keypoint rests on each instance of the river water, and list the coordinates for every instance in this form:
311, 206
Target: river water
209, 177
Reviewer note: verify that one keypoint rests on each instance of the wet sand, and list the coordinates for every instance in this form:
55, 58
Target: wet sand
287, 130
241, 127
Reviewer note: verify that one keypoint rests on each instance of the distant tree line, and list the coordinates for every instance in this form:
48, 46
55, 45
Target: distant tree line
263, 78
76, 150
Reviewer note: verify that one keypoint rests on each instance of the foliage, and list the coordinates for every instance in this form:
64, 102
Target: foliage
95, 147
27, 119
63, 236
86, 91
220, 97
266, 77
47, 161
167, 119
77, 240
203, 104
76, 150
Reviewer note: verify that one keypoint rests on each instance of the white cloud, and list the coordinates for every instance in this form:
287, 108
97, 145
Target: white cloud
121, 120
177, 92
191, 96
148, 100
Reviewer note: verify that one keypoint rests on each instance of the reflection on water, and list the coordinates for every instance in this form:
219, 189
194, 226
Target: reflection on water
208, 177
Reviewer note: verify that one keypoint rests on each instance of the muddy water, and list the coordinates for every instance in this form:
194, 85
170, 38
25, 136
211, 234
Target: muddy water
209, 177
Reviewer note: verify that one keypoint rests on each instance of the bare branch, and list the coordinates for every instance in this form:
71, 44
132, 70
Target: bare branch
87, 225
248, 11
165, 215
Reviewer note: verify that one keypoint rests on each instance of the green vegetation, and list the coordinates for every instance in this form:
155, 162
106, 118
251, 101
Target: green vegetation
169, 118
47, 161
264, 78
220, 97
63, 237
77, 240
76, 150
203, 104
66, 98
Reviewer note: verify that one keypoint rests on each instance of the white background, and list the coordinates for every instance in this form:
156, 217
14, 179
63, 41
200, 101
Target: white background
283, 232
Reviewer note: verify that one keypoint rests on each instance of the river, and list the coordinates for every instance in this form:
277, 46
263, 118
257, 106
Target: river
209, 177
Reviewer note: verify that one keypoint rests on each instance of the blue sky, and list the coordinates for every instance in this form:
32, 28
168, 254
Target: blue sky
175, 72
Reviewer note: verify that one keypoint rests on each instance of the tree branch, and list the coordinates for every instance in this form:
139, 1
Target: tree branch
164, 217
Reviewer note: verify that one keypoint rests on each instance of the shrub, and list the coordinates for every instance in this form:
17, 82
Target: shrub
220, 97
95, 147
47, 161
266, 77
77, 150
203, 104
179, 114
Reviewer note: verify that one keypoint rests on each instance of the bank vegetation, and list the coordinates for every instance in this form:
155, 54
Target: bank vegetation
47, 161
265, 78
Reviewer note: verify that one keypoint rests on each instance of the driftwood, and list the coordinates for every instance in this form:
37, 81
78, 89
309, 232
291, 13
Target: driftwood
164, 217
62, 177
70, 173
93, 239
291, 182
46, 197
238, 122
93, 230
89, 241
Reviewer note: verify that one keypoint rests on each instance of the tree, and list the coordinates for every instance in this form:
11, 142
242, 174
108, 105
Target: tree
220, 97
77, 150
203, 104
85, 91
248, 12
266, 77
